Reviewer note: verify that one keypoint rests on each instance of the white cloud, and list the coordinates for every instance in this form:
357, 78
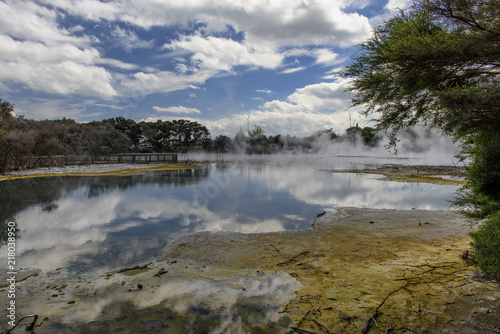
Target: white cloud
36, 53
307, 110
326, 57
110, 106
280, 22
396, 4
222, 54
26, 20
178, 110
315, 98
63, 78
300, 23
128, 40
93, 10
265, 91
41, 53
141, 83
116, 63
181, 68
293, 70
49, 108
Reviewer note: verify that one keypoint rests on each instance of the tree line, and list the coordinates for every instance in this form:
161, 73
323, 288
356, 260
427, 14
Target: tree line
24, 141
256, 141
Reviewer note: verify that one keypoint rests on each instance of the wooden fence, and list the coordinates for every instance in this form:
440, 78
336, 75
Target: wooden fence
135, 158
65, 160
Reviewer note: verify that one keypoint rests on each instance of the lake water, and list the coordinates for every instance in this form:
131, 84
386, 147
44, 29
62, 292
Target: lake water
87, 225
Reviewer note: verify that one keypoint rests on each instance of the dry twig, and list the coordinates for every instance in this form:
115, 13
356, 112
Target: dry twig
376, 312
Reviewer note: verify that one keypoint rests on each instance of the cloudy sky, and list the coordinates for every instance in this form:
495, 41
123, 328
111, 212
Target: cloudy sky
228, 64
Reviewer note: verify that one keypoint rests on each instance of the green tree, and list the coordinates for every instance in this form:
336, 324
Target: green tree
438, 63
222, 144
128, 127
6, 111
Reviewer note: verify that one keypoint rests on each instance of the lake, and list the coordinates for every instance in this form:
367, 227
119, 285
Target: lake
87, 225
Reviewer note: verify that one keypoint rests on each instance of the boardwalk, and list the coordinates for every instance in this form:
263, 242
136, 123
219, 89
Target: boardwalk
67, 160
135, 157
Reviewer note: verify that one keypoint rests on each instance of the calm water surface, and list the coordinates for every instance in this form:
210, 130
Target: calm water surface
89, 224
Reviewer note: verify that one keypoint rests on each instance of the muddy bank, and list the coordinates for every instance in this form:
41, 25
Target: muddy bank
452, 175
406, 265
94, 169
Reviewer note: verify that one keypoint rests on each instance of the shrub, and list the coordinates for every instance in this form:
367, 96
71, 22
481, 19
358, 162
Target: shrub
487, 246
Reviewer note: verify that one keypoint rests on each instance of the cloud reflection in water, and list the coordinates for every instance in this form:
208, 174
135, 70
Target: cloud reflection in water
129, 219
178, 304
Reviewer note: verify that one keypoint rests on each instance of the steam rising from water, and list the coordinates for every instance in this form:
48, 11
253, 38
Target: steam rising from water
415, 146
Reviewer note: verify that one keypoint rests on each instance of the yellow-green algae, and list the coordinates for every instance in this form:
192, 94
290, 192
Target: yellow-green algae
348, 264
417, 174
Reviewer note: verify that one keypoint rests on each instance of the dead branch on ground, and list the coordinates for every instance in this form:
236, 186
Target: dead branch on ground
376, 312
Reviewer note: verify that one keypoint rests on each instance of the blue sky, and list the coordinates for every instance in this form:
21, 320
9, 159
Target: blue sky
227, 64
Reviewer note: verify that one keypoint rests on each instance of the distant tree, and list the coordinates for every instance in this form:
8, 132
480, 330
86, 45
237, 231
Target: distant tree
68, 133
353, 134
128, 127
101, 138
6, 111
329, 133
256, 132
370, 136
222, 144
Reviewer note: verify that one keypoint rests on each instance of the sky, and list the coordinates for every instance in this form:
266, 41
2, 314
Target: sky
227, 64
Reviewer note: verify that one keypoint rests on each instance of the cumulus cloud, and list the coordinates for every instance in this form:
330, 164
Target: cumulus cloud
396, 4
59, 47
314, 98
307, 110
223, 54
26, 20
282, 22
63, 78
326, 57
129, 40
36, 53
178, 110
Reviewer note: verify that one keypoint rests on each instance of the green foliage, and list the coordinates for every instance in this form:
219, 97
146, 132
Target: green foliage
368, 135
438, 64
435, 64
481, 196
222, 144
23, 141
256, 132
6, 111
487, 246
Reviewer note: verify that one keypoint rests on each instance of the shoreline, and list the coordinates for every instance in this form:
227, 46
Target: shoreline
94, 169
405, 264
436, 174
403, 267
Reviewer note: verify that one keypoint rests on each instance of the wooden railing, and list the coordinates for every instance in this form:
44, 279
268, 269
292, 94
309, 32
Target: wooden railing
135, 158
66, 160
